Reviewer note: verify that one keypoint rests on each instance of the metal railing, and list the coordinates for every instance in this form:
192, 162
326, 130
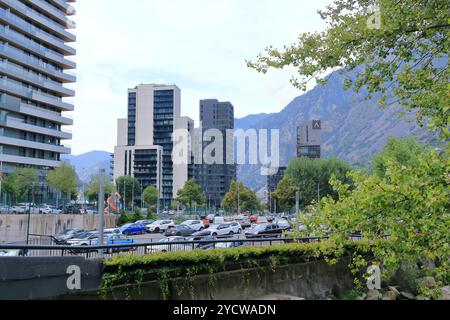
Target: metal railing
107, 251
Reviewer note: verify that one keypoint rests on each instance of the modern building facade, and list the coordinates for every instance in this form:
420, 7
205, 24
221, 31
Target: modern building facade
215, 179
272, 185
309, 139
144, 139
34, 68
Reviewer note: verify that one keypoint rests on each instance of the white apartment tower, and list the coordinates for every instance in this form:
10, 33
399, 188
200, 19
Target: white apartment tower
144, 140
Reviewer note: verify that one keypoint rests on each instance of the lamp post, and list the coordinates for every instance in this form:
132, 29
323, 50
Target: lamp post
101, 208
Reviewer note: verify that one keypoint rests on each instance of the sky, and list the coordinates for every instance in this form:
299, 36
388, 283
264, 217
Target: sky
199, 45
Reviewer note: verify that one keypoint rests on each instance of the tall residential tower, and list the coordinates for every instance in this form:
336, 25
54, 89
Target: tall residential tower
144, 140
215, 179
33, 71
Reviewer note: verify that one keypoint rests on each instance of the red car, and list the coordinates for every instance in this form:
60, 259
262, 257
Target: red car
206, 223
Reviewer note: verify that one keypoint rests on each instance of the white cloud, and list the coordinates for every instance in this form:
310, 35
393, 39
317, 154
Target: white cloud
201, 45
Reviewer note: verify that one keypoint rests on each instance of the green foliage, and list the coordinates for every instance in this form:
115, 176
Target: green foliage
191, 194
63, 179
405, 60
403, 151
248, 200
410, 205
306, 175
150, 195
122, 268
151, 215
21, 183
128, 187
137, 215
94, 186
123, 219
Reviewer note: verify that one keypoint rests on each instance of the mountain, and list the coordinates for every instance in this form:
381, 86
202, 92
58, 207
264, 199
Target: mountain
353, 129
89, 164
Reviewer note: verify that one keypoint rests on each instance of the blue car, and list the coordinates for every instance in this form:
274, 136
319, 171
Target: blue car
115, 239
133, 228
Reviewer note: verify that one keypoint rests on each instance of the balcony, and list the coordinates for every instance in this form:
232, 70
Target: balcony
54, 13
20, 125
64, 6
8, 18
21, 58
29, 161
15, 88
20, 74
39, 19
34, 145
19, 40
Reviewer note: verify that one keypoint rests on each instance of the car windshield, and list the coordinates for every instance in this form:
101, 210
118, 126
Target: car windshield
85, 235
66, 232
260, 227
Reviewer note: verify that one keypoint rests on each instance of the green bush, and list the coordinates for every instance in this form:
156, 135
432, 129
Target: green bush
137, 215
123, 219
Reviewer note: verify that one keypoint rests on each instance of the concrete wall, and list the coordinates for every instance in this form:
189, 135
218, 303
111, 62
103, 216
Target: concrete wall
308, 280
13, 228
44, 277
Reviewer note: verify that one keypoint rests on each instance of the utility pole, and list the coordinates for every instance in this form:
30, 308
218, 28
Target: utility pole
297, 203
124, 195
101, 208
238, 200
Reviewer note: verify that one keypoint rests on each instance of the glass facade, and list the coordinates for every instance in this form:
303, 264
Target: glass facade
163, 127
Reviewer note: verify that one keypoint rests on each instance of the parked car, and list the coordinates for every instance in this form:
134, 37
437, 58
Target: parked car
263, 230
46, 209
262, 220
160, 226
211, 217
245, 223
19, 208
145, 222
205, 223
253, 219
225, 229
201, 234
179, 230
133, 228
206, 245
219, 220
84, 239
197, 225
283, 225
228, 245
168, 247
116, 239
68, 234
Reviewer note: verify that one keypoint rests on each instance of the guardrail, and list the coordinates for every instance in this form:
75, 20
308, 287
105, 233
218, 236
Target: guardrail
108, 251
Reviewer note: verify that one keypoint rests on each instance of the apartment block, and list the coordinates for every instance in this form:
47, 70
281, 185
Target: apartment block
144, 139
309, 139
35, 62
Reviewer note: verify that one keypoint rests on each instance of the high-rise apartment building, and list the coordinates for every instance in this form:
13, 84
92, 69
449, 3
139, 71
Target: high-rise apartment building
33, 71
144, 140
215, 179
309, 139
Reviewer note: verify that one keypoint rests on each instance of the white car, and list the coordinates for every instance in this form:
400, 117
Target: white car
46, 209
160, 226
84, 239
168, 247
225, 229
197, 225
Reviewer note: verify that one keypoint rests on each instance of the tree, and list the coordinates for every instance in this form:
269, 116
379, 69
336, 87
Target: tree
311, 177
128, 187
398, 51
404, 151
21, 183
191, 194
63, 179
285, 195
94, 186
411, 207
248, 201
150, 196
